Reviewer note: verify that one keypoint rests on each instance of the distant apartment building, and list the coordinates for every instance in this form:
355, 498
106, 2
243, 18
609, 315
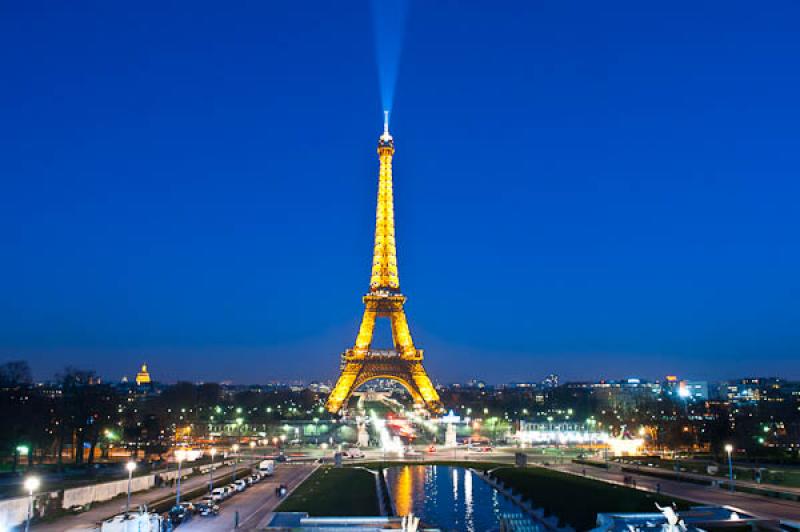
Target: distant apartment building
751, 391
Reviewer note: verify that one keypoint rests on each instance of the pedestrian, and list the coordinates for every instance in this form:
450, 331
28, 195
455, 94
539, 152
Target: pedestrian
658, 487
584, 471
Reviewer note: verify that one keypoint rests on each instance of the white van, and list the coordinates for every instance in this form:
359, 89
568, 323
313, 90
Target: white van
267, 467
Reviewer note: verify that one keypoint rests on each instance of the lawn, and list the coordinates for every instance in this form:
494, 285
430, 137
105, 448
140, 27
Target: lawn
331, 491
576, 500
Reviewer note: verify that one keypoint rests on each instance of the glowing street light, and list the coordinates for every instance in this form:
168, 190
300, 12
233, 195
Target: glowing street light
180, 456
130, 466
235, 449
23, 450
729, 450
31, 484
212, 452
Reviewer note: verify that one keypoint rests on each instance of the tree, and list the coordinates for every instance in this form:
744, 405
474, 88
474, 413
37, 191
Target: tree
14, 374
88, 407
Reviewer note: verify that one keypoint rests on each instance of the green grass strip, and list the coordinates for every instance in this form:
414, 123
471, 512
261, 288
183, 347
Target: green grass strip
331, 491
577, 500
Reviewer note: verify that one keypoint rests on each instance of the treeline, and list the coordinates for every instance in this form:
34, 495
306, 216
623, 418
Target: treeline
77, 418
763, 430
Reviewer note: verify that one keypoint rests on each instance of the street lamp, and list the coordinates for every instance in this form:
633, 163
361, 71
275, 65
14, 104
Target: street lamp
239, 422
130, 466
235, 449
31, 484
729, 450
212, 452
22, 450
180, 456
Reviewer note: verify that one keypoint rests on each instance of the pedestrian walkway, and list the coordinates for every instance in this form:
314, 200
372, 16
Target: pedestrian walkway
757, 505
102, 511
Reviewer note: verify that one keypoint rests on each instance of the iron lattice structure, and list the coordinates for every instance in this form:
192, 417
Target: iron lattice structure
403, 364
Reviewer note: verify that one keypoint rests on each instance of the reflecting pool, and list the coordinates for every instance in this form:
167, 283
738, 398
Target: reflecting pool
449, 498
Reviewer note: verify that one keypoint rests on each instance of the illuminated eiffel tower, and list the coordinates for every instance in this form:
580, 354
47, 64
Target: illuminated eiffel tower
403, 364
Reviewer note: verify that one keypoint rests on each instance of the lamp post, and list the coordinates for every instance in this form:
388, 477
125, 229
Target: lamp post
253, 450
130, 466
23, 450
179, 456
212, 452
31, 484
235, 449
729, 450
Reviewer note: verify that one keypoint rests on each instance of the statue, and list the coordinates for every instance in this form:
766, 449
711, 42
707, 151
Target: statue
450, 436
363, 435
674, 523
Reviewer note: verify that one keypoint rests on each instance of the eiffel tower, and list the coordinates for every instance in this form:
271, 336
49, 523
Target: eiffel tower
403, 364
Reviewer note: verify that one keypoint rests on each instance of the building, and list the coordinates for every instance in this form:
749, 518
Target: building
696, 390
533, 432
143, 377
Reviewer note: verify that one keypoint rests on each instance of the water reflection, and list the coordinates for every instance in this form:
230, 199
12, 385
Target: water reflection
468, 516
447, 497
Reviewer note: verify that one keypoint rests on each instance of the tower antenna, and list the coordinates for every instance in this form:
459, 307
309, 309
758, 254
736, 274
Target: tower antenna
385, 122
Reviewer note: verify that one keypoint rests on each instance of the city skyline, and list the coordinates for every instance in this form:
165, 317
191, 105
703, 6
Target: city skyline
206, 206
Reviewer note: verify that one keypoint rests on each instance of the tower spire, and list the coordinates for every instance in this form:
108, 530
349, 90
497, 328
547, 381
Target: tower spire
386, 137
384, 258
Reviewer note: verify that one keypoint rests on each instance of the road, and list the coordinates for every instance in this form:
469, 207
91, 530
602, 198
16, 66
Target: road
254, 505
757, 505
102, 511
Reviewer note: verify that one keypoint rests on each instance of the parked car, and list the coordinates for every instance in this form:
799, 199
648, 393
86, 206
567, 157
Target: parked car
240, 484
255, 478
178, 515
219, 494
207, 499
479, 448
189, 507
207, 508
354, 452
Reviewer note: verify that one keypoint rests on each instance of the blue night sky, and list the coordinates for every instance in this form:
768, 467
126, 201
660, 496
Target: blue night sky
589, 188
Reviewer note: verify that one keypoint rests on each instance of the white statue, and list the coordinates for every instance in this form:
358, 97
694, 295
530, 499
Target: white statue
363, 435
674, 523
450, 436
